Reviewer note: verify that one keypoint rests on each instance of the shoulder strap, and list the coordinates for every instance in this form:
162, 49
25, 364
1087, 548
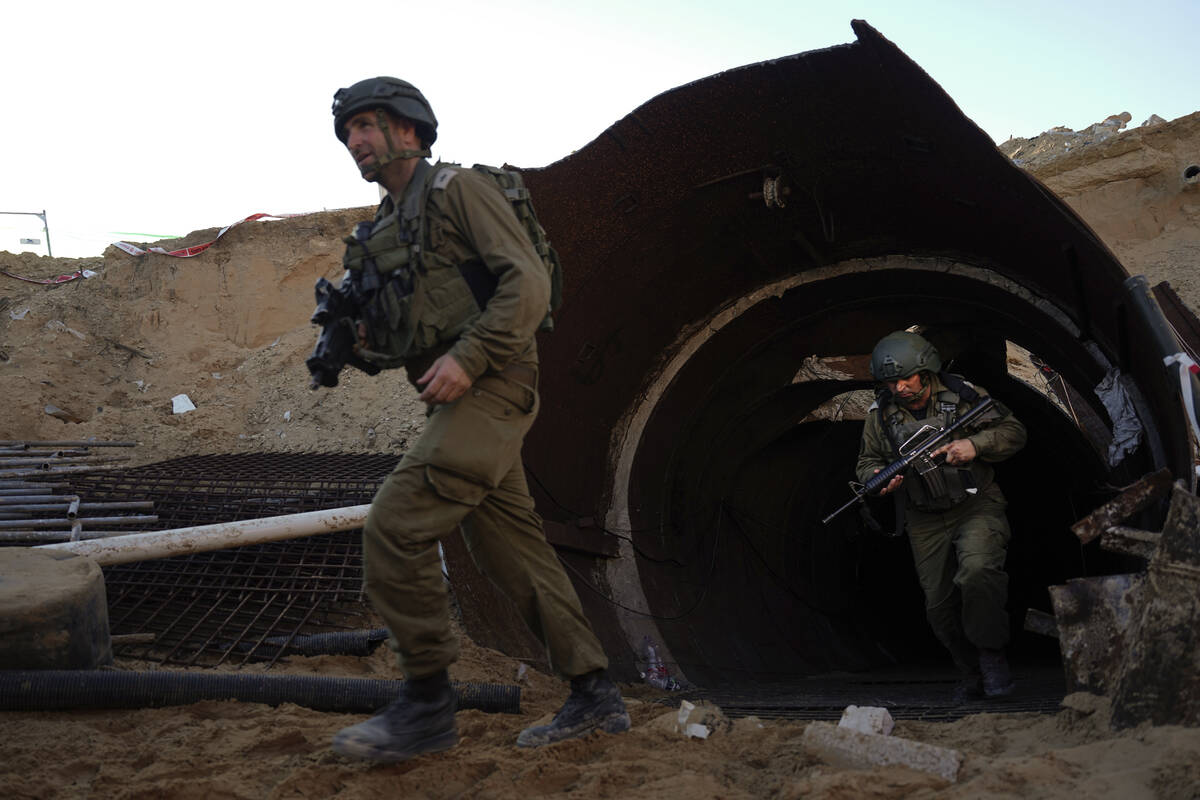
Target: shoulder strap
958, 385
883, 398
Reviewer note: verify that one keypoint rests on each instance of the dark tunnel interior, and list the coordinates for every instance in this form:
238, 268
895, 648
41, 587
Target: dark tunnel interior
731, 482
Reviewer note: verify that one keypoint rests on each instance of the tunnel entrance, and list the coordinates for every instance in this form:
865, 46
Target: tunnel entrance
747, 448
723, 233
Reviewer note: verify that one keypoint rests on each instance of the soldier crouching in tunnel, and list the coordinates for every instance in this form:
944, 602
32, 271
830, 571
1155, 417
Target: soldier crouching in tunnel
949, 502
446, 282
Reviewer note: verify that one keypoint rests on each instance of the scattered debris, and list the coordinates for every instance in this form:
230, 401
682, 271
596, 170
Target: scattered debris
700, 720
65, 416
845, 747
1137, 637
867, 719
59, 326
1135, 498
129, 349
693, 730
1092, 616
656, 673
181, 404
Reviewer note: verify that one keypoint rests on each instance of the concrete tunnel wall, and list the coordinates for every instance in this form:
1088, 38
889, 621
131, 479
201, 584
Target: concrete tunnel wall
668, 459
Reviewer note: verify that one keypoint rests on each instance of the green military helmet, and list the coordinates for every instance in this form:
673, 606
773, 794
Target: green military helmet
901, 354
400, 97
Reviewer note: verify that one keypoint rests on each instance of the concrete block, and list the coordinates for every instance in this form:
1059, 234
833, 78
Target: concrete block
867, 719
843, 747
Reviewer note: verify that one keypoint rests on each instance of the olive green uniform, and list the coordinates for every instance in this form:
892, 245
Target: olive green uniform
959, 551
466, 470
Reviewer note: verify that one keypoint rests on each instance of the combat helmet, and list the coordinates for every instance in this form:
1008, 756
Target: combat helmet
400, 97
901, 354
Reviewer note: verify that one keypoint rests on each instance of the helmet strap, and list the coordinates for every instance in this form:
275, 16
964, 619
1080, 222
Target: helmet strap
392, 153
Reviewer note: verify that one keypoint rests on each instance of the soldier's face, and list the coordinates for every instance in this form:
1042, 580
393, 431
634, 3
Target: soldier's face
375, 139
910, 392
366, 143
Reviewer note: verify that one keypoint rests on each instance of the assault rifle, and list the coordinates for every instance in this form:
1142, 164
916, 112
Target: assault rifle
914, 454
337, 310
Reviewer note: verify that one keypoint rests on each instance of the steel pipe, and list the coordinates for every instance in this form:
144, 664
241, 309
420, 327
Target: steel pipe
45, 462
203, 538
23, 499
26, 443
41, 473
66, 506
41, 524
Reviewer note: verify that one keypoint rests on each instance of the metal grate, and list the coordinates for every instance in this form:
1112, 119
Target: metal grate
246, 604
922, 695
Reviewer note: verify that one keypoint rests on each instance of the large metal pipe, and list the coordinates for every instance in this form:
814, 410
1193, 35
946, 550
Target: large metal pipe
203, 538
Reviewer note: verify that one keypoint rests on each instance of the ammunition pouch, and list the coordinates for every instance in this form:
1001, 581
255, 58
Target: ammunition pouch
937, 487
404, 315
930, 484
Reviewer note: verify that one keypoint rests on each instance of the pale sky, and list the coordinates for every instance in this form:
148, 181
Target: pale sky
163, 117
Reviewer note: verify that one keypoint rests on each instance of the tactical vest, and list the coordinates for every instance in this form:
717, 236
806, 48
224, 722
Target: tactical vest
416, 300
931, 487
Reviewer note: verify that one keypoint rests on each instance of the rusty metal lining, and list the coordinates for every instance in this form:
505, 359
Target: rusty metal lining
691, 301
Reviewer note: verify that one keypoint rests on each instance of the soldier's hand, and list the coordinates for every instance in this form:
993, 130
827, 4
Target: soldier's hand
444, 381
960, 451
892, 486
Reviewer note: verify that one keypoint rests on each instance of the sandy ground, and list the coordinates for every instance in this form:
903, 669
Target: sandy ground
229, 329
239, 750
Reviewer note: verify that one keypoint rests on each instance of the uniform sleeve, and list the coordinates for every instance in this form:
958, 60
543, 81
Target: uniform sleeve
874, 452
999, 439
505, 329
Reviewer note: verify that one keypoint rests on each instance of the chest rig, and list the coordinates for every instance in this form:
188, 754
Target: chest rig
413, 298
931, 485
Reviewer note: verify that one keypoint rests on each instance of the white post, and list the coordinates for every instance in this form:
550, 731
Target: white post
202, 538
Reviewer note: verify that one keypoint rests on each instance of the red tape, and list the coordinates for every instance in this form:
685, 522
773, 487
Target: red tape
45, 281
196, 249
134, 250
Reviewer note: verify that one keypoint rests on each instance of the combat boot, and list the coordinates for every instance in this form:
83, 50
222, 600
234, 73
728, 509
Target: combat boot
594, 704
997, 680
420, 720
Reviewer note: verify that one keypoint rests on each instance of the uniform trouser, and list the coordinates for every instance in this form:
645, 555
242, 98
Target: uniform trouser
466, 471
959, 555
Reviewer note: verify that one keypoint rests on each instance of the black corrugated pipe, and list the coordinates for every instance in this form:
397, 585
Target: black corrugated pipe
337, 643
60, 690
1162, 335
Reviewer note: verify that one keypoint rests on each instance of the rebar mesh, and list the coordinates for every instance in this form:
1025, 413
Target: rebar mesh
249, 603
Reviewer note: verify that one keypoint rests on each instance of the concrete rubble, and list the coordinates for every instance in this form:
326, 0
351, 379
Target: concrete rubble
845, 747
867, 719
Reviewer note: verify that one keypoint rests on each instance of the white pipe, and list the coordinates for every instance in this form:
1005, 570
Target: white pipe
202, 538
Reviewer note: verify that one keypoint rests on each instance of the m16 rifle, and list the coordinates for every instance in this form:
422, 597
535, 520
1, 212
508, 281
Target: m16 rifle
914, 455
